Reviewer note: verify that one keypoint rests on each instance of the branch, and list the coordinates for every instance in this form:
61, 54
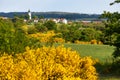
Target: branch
116, 1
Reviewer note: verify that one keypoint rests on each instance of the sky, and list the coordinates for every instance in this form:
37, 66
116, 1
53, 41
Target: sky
74, 6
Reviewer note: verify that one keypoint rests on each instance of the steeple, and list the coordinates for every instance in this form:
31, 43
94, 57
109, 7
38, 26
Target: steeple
29, 14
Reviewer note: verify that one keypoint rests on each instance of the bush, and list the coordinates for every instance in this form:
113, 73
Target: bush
14, 39
115, 67
31, 30
50, 25
89, 34
93, 41
47, 63
59, 40
18, 22
88, 42
44, 37
11, 40
40, 27
82, 42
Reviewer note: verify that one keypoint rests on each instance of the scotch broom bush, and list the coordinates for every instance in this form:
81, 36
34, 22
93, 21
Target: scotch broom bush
47, 63
44, 37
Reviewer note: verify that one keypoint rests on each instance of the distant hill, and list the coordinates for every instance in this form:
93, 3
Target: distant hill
67, 15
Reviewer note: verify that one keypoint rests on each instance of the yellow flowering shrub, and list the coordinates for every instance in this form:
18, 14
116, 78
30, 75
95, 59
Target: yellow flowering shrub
99, 42
81, 42
47, 63
44, 37
59, 40
68, 42
93, 41
86, 42
25, 29
48, 37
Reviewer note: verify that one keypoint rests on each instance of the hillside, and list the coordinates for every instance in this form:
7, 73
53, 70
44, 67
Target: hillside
67, 15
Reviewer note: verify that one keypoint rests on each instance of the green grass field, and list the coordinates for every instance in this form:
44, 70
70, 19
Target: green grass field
101, 52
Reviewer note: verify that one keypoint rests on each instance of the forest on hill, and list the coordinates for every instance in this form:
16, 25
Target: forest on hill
67, 15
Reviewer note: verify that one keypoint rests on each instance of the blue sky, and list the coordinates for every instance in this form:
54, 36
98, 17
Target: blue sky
77, 6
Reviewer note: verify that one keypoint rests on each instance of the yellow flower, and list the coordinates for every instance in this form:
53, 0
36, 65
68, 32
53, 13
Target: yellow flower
55, 63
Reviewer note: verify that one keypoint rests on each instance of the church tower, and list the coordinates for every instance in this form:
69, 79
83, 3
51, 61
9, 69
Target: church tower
29, 14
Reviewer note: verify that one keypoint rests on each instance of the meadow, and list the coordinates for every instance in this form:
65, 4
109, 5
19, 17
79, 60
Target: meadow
101, 52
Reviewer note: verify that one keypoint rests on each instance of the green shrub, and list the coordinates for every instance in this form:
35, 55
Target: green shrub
40, 27
14, 39
51, 25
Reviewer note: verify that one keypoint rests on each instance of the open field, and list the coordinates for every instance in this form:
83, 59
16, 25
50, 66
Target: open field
101, 52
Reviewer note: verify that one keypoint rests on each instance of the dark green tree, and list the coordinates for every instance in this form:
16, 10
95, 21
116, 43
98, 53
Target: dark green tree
71, 33
112, 32
40, 27
116, 1
112, 25
12, 39
88, 34
18, 22
51, 25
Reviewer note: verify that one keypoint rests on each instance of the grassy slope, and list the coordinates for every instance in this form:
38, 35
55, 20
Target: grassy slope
101, 52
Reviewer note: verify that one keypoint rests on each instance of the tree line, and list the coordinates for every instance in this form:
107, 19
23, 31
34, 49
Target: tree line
69, 16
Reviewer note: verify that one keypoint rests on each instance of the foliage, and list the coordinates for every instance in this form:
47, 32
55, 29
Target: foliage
32, 29
78, 31
51, 25
18, 22
59, 40
116, 1
40, 27
90, 34
117, 50
88, 42
47, 63
82, 42
6, 23
70, 33
62, 28
24, 29
22, 16
95, 25
115, 67
44, 37
112, 31
13, 39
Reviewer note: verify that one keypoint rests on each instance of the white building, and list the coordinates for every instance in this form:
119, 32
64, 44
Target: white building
64, 21
36, 21
61, 20
56, 20
29, 14
4, 17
